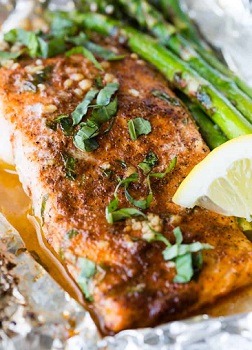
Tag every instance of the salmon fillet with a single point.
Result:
(133, 284)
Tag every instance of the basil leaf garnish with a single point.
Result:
(84, 139)
(43, 206)
(70, 166)
(81, 110)
(72, 233)
(182, 254)
(168, 169)
(164, 96)
(28, 39)
(137, 127)
(106, 93)
(102, 52)
(88, 270)
(5, 55)
(85, 52)
(148, 163)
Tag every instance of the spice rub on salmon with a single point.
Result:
(71, 173)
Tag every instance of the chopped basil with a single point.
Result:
(102, 52)
(84, 139)
(70, 166)
(72, 233)
(145, 203)
(107, 173)
(66, 124)
(105, 94)
(61, 24)
(142, 203)
(51, 124)
(5, 55)
(62, 253)
(137, 127)
(122, 163)
(98, 82)
(168, 169)
(82, 108)
(164, 96)
(43, 205)
(187, 257)
(78, 40)
(112, 214)
(88, 270)
(104, 113)
(85, 52)
(148, 163)
(52, 47)
(28, 39)
(42, 76)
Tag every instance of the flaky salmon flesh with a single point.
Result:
(132, 285)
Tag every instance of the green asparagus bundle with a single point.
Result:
(178, 72)
(150, 19)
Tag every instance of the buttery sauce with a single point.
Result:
(15, 206)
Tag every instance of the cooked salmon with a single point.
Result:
(132, 285)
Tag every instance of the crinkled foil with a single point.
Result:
(35, 313)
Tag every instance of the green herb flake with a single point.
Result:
(122, 163)
(107, 173)
(84, 139)
(168, 169)
(72, 233)
(98, 82)
(187, 257)
(112, 212)
(104, 96)
(66, 124)
(138, 127)
(82, 108)
(148, 163)
(78, 40)
(5, 55)
(27, 38)
(43, 206)
(43, 76)
(70, 166)
(86, 53)
(100, 51)
(51, 124)
(164, 96)
(62, 253)
(87, 271)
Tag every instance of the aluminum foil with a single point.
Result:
(35, 313)
(227, 24)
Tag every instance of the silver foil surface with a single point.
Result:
(35, 313)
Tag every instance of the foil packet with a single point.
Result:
(35, 313)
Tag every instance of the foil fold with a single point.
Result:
(35, 313)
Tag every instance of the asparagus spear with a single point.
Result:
(216, 106)
(149, 18)
(210, 132)
(171, 9)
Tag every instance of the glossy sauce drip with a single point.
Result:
(15, 206)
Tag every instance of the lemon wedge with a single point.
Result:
(222, 182)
